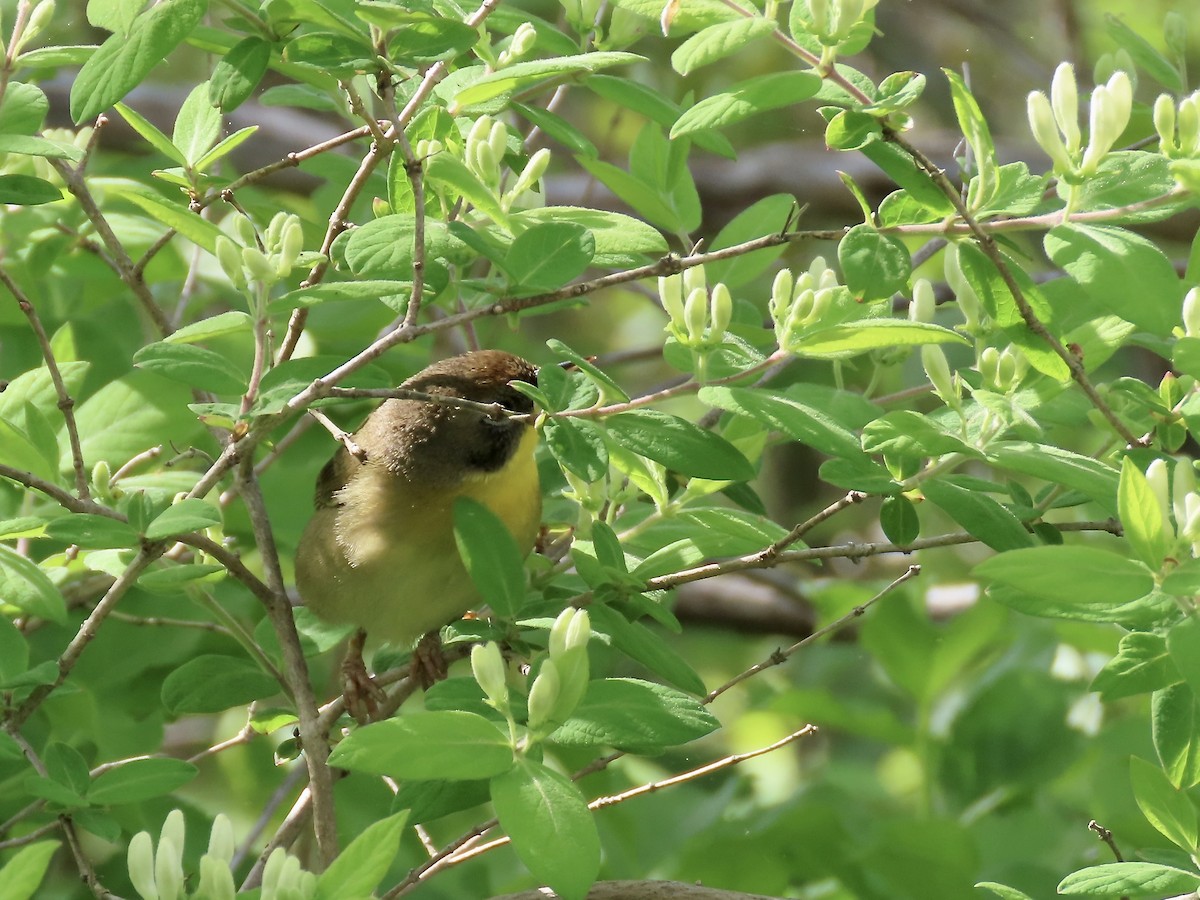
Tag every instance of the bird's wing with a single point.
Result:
(333, 477)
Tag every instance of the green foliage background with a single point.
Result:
(1019, 421)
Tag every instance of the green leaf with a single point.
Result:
(1183, 644)
(1164, 807)
(168, 578)
(23, 872)
(339, 54)
(197, 126)
(766, 216)
(92, 531)
(1132, 878)
(238, 73)
(221, 324)
(1175, 727)
(419, 36)
(383, 248)
(1058, 466)
(188, 364)
(26, 190)
(521, 74)
(199, 231)
(1004, 892)
(491, 556)
(752, 96)
(1069, 579)
(718, 41)
(123, 61)
(14, 652)
(548, 255)
(875, 265)
(1142, 665)
(1145, 56)
(644, 646)
(629, 714)
(1121, 271)
(445, 170)
(800, 421)
(550, 826)
(679, 445)
(224, 147)
(874, 334)
(579, 447)
(189, 514)
(24, 585)
(139, 780)
(212, 683)
(23, 109)
(979, 514)
(899, 520)
(1141, 515)
(979, 137)
(452, 745)
(359, 868)
(18, 449)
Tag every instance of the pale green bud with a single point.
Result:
(968, 301)
(695, 315)
(1191, 526)
(720, 311)
(937, 370)
(1183, 484)
(498, 141)
(1110, 109)
(41, 16)
(1164, 124)
(216, 881)
(480, 130)
(102, 475)
(694, 278)
(427, 147)
(572, 629)
(229, 256)
(819, 10)
(274, 230)
(1191, 313)
(923, 304)
(220, 841)
(543, 695)
(670, 292)
(1158, 475)
(168, 869)
(173, 828)
(524, 38)
(781, 294)
(1006, 370)
(243, 229)
(271, 872)
(821, 301)
(802, 308)
(291, 242)
(1045, 132)
(1064, 98)
(1189, 125)
(258, 265)
(531, 174)
(989, 366)
(571, 666)
(140, 860)
(484, 161)
(487, 664)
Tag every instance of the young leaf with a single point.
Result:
(522, 74)
(875, 265)
(1167, 809)
(752, 96)
(579, 447)
(212, 683)
(979, 137)
(27, 587)
(197, 366)
(550, 826)
(238, 73)
(491, 556)
(138, 780)
(798, 420)
(191, 514)
(197, 126)
(1142, 665)
(899, 520)
(1136, 878)
(679, 445)
(92, 531)
(1069, 576)
(717, 42)
(1175, 719)
(27, 190)
(979, 514)
(451, 745)
(359, 868)
(874, 334)
(24, 871)
(549, 255)
(124, 60)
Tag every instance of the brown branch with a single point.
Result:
(65, 403)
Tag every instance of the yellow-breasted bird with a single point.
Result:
(379, 551)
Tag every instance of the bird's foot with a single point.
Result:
(363, 696)
(428, 661)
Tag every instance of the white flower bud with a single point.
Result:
(720, 311)
(216, 881)
(487, 665)
(1064, 98)
(258, 265)
(988, 364)
(42, 15)
(1183, 485)
(243, 229)
(1157, 475)
(819, 11)
(1045, 132)
(1164, 124)
(923, 304)
(670, 292)
(1189, 125)
(937, 370)
(1191, 313)
(168, 868)
(221, 842)
(695, 315)
(498, 141)
(543, 695)
(694, 278)
(140, 860)
(968, 301)
(530, 175)
(1110, 109)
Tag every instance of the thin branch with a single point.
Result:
(641, 790)
(39, 832)
(284, 836)
(342, 437)
(65, 403)
(778, 657)
(767, 554)
(285, 788)
(135, 461)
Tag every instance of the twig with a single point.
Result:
(65, 403)
(267, 814)
(285, 835)
(135, 461)
(767, 554)
(778, 657)
(1107, 836)
(342, 437)
(641, 790)
(30, 837)
(244, 736)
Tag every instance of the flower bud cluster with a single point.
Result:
(1002, 370)
(243, 261)
(1174, 487)
(697, 316)
(157, 874)
(487, 142)
(1178, 127)
(799, 302)
(1054, 121)
(522, 42)
(563, 678)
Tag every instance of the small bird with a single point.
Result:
(379, 551)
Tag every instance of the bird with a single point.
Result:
(379, 551)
